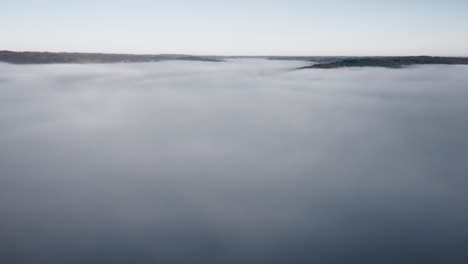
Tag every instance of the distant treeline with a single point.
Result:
(388, 62)
(65, 57)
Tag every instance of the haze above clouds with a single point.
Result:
(241, 27)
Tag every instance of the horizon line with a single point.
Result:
(219, 55)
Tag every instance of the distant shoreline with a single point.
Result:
(320, 62)
(388, 62)
(30, 57)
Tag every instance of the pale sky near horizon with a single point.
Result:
(242, 27)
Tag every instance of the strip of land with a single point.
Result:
(388, 62)
(66, 57)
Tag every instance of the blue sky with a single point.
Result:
(295, 27)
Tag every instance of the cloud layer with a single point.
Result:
(235, 162)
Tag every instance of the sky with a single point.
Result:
(241, 27)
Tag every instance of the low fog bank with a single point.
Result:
(237, 162)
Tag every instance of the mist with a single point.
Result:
(244, 161)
